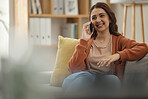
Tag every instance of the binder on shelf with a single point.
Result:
(30, 10)
(45, 31)
(69, 30)
(75, 30)
(38, 6)
(31, 33)
(33, 7)
(55, 6)
(40, 31)
(61, 7)
(35, 31)
(48, 31)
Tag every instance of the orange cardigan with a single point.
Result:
(129, 50)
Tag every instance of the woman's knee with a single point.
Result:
(114, 80)
(78, 79)
(82, 74)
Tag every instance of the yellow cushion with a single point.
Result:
(66, 47)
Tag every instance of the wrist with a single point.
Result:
(118, 55)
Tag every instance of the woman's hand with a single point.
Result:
(108, 60)
(85, 31)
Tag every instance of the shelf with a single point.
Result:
(59, 16)
(47, 7)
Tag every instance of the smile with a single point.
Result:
(99, 25)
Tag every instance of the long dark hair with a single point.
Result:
(113, 28)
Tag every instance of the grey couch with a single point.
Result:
(136, 71)
(31, 76)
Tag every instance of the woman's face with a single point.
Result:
(100, 19)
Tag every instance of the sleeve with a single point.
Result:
(77, 61)
(131, 50)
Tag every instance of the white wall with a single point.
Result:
(119, 10)
(4, 27)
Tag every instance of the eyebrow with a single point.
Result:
(98, 14)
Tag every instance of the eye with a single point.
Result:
(102, 15)
(94, 17)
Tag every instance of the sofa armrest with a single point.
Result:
(136, 72)
(44, 77)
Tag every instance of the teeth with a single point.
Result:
(99, 25)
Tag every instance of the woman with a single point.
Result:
(100, 56)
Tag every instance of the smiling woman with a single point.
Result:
(98, 62)
(102, 19)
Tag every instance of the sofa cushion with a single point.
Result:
(136, 72)
(66, 47)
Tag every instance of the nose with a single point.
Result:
(98, 19)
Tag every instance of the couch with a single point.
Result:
(38, 74)
(135, 77)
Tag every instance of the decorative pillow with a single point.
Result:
(66, 47)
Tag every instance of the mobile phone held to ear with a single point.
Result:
(91, 28)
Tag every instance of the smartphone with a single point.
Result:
(91, 28)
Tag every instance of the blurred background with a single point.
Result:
(29, 27)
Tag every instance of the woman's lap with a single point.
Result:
(85, 80)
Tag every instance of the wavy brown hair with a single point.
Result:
(113, 28)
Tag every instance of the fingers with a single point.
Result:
(85, 31)
(104, 62)
(108, 60)
(100, 63)
(86, 25)
(108, 63)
